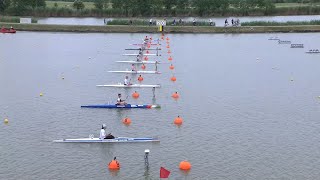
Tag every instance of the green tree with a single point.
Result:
(4, 4)
(98, 4)
(78, 5)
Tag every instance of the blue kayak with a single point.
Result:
(113, 106)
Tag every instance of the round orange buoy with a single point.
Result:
(146, 58)
(178, 120)
(162, 37)
(167, 38)
(173, 78)
(114, 164)
(171, 67)
(140, 78)
(169, 51)
(185, 165)
(175, 95)
(147, 52)
(143, 67)
(168, 46)
(149, 46)
(135, 95)
(126, 121)
(170, 58)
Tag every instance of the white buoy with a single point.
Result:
(6, 121)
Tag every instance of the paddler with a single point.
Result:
(120, 101)
(126, 81)
(156, 65)
(154, 92)
(103, 132)
(133, 67)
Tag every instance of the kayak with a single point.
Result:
(128, 106)
(313, 51)
(137, 72)
(115, 140)
(140, 62)
(130, 86)
(139, 54)
(3, 30)
(277, 39)
(145, 44)
(146, 49)
(284, 42)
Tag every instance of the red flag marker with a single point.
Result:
(164, 173)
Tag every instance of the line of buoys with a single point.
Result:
(114, 164)
(126, 121)
(135, 95)
(185, 165)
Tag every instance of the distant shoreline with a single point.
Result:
(154, 29)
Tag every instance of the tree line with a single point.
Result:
(136, 8)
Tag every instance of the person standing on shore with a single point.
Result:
(226, 22)
(194, 22)
(150, 22)
(210, 22)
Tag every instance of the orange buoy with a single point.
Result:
(150, 38)
(171, 67)
(175, 95)
(126, 121)
(143, 67)
(173, 78)
(147, 52)
(135, 95)
(185, 165)
(170, 58)
(168, 46)
(149, 46)
(114, 164)
(162, 37)
(167, 38)
(169, 51)
(140, 78)
(178, 120)
(146, 58)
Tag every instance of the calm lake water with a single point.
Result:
(218, 20)
(243, 118)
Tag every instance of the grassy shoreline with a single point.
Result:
(154, 29)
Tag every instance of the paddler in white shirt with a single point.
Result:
(103, 132)
(126, 81)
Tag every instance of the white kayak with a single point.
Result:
(142, 54)
(137, 72)
(115, 140)
(131, 86)
(140, 62)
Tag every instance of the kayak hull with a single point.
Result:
(115, 140)
(128, 106)
(8, 31)
(137, 72)
(130, 86)
(142, 54)
(140, 62)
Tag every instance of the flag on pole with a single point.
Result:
(164, 173)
